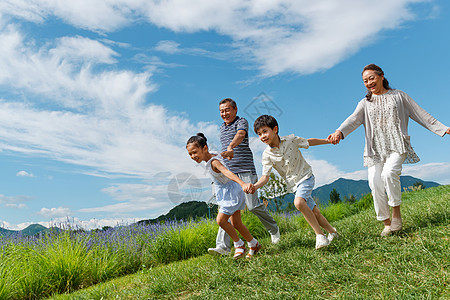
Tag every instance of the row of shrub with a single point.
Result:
(64, 261)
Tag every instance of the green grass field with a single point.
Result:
(413, 264)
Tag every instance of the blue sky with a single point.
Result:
(97, 99)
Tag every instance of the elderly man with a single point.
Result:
(235, 147)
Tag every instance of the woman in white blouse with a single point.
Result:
(385, 112)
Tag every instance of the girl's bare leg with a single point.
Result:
(237, 223)
(222, 221)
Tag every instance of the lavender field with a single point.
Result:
(33, 267)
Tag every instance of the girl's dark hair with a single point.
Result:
(264, 120)
(199, 140)
(379, 72)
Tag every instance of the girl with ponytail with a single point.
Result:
(229, 189)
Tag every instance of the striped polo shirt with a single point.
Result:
(242, 160)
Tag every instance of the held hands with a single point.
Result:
(229, 154)
(448, 131)
(248, 188)
(335, 137)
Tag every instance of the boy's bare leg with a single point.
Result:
(222, 220)
(322, 220)
(237, 223)
(301, 205)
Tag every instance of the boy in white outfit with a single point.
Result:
(283, 154)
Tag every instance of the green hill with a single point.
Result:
(33, 229)
(30, 230)
(186, 211)
(361, 264)
(6, 232)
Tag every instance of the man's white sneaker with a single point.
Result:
(321, 241)
(218, 251)
(386, 231)
(333, 235)
(275, 237)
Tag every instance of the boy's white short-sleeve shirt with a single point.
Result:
(288, 161)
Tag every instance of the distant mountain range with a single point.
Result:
(198, 209)
(348, 187)
(30, 230)
(345, 188)
(358, 188)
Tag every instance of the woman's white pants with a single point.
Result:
(384, 181)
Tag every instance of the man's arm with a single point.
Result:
(315, 142)
(238, 138)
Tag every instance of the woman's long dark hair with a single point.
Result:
(379, 72)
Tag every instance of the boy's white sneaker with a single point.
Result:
(218, 251)
(275, 237)
(333, 235)
(321, 241)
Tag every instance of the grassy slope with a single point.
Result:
(414, 264)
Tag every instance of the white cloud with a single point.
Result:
(14, 201)
(7, 225)
(170, 47)
(438, 172)
(82, 49)
(153, 63)
(111, 222)
(86, 14)
(158, 195)
(24, 174)
(131, 198)
(16, 205)
(64, 74)
(285, 36)
(278, 36)
(55, 212)
(102, 120)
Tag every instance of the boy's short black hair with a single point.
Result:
(265, 120)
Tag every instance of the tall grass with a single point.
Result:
(361, 264)
(37, 267)
(61, 262)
